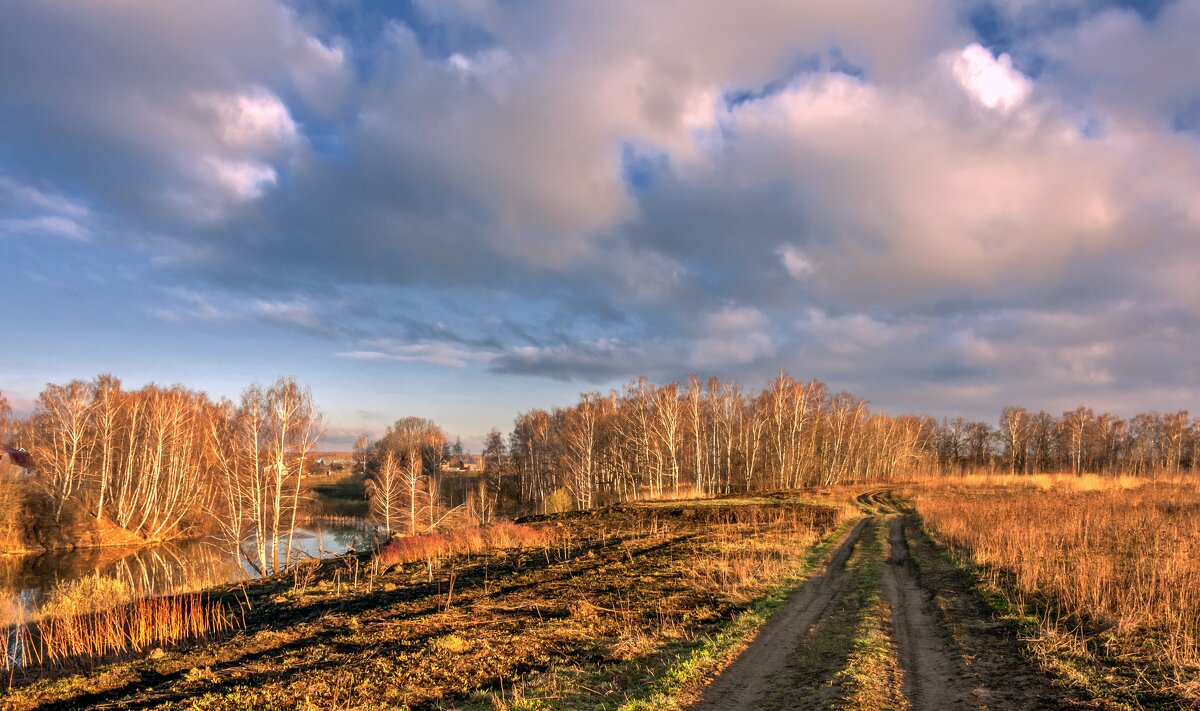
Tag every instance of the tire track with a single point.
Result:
(765, 662)
(934, 677)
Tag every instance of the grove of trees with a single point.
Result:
(714, 437)
(159, 463)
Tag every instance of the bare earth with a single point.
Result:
(934, 677)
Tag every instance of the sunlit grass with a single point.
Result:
(97, 617)
(1121, 553)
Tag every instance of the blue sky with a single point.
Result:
(466, 209)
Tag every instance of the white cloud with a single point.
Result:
(255, 121)
(41, 199)
(293, 313)
(730, 336)
(991, 80)
(54, 225)
(441, 353)
(795, 262)
(241, 180)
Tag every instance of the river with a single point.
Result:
(26, 581)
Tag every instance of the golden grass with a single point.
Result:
(1072, 482)
(96, 617)
(757, 551)
(1122, 553)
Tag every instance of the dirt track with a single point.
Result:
(752, 677)
(933, 670)
(978, 668)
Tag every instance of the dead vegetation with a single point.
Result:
(1108, 570)
(96, 618)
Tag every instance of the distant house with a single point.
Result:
(17, 457)
(464, 463)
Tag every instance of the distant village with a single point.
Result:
(341, 463)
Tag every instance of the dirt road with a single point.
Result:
(751, 678)
(934, 677)
(804, 657)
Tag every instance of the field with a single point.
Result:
(564, 610)
(972, 592)
(1104, 572)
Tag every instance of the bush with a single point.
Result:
(560, 501)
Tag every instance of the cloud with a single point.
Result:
(40, 199)
(55, 225)
(796, 263)
(451, 355)
(214, 307)
(293, 313)
(596, 361)
(41, 212)
(203, 119)
(878, 195)
(991, 80)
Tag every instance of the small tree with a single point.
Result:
(362, 447)
(386, 493)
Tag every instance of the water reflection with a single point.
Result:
(26, 581)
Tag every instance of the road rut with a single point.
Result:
(934, 677)
(766, 661)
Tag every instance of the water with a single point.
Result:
(26, 581)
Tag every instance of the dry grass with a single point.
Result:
(1071, 482)
(1116, 562)
(567, 611)
(96, 617)
(469, 541)
(756, 552)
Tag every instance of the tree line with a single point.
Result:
(165, 462)
(714, 437)
(1078, 441)
(159, 463)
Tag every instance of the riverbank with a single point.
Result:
(570, 607)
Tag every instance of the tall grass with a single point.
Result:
(95, 618)
(1122, 554)
(755, 547)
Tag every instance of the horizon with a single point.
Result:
(463, 211)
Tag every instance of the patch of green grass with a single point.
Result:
(696, 661)
(871, 678)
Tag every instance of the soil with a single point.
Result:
(592, 619)
(934, 676)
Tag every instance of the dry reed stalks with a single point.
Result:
(78, 625)
(431, 547)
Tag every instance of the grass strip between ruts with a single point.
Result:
(669, 686)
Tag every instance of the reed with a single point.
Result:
(125, 628)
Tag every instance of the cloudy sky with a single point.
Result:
(465, 208)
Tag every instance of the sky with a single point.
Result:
(464, 209)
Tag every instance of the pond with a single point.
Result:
(26, 581)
